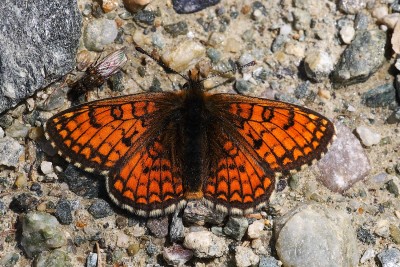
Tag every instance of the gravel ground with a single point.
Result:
(335, 57)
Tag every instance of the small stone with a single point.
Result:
(177, 255)
(122, 240)
(285, 29)
(390, 20)
(17, 130)
(365, 236)
(242, 86)
(91, 260)
(55, 100)
(381, 96)
(389, 257)
(395, 233)
(10, 152)
(269, 262)
(361, 58)
(368, 254)
(302, 19)
(393, 186)
(255, 229)
(245, 257)
(1, 133)
(318, 65)
(63, 212)
(316, 231)
(352, 6)
(233, 45)
(158, 226)
(100, 209)
(40, 232)
(368, 137)
(133, 248)
(23, 202)
(205, 244)
(213, 54)
(395, 41)
(347, 34)
(135, 5)
(176, 230)
(196, 213)
(179, 28)
(9, 259)
(109, 5)
(46, 167)
(382, 228)
(146, 17)
(99, 33)
(21, 181)
(345, 163)
(191, 6)
(236, 227)
(53, 258)
(182, 56)
(80, 182)
(361, 21)
(380, 12)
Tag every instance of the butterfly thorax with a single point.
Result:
(193, 133)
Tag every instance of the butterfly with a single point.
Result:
(160, 150)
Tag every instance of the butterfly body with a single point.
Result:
(159, 150)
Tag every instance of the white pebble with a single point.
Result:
(285, 29)
(1, 132)
(255, 229)
(46, 167)
(367, 136)
(380, 12)
(347, 34)
(184, 55)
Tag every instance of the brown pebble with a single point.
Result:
(245, 9)
(135, 5)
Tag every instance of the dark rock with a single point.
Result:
(116, 83)
(361, 58)
(191, 6)
(242, 86)
(155, 85)
(144, 16)
(38, 42)
(100, 209)
(158, 226)
(179, 28)
(380, 96)
(63, 211)
(81, 183)
(394, 117)
(365, 236)
(236, 227)
(361, 21)
(196, 212)
(176, 229)
(23, 203)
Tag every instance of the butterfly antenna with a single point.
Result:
(162, 64)
(234, 69)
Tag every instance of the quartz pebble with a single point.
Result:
(347, 34)
(245, 257)
(46, 167)
(99, 33)
(205, 244)
(184, 55)
(368, 254)
(318, 65)
(367, 136)
(255, 229)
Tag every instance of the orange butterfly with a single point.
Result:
(159, 150)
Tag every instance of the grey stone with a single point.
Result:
(196, 212)
(38, 41)
(176, 230)
(325, 237)
(361, 21)
(236, 227)
(179, 28)
(10, 152)
(394, 117)
(80, 182)
(40, 232)
(242, 86)
(100, 209)
(361, 58)
(345, 163)
(63, 211)
(352, 6)
(99, 33)
(91, 260)
(23, 202)
(365, 236)
(9, 260)
(390, 257)
(177, 255)
(381, 96)
(158, 226)
(56, 258)
(266, 261)
(191, 6)
(17, 130)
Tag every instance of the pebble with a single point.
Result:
(135, 5)
(302, 19)
(55, 257)
(245, 257)
(347, 34)
(236, 227)
(185, 54)
(21, 181)
(352, 6)
(23, 202)
(191, 6)
(389, 257)
(109, 5)
(41, 232)
(361, 21)
(99, 33)
(80, 182)
(382, 228)
(176, 230)
(317, 232)
(158, 226)
(1, 133)
(393, 186)
(46, 167)
(367, 136)
(395, 233)
(177, 255)
(365, 236)
(255, 229)
(91, 260)
(368, 254)
(381, 96)
(133, 248)
(242, 86)
(395, 40)
(379, 12)
(17, 130)
(267, 261)
(143, 16)
(197, 213)
(64, 212)
(390, 20)
(100, 209)
(318, 65)
(345, 163)
(122, 240)
(361, 58)
(205, 244)
(179, 28)
(9, 260)
(213, 54)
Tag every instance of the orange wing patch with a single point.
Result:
(147, 182)
(283, 135)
